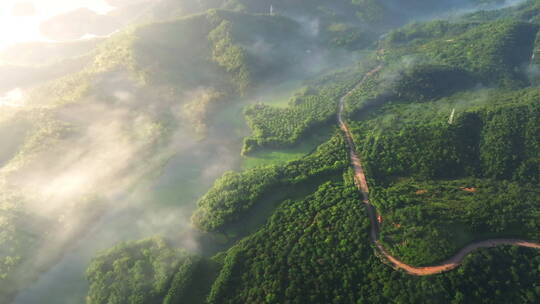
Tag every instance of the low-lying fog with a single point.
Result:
(159, 200)
(20, 20)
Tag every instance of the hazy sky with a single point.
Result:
(21, 29)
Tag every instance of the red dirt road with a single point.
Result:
(361, 183)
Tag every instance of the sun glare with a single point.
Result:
(20, 19)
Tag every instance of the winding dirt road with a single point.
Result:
(361, 183)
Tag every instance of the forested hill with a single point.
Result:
(378, 15)
(442, 99)
(129, 97)
(447, 124)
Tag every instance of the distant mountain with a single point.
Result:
(76, 24)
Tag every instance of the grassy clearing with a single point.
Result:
(281, 94)
(270, 156)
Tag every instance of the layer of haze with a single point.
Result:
(25, 27)
(143, 194)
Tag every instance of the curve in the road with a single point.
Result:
(361, 183)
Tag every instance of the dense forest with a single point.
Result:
(148, 271)
(495, 135)
(444, 216)
(442, 99)
(317, 250)
(310, 108)
(235, 193)
(449, 160)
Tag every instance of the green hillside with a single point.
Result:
(117, 104)
(235, 193)
(439, 180)
(153, 270)
(444, 111)
(493, 134)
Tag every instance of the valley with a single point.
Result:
(223, 152)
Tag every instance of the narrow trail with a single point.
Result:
(361, 183)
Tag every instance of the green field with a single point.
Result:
(268, 156)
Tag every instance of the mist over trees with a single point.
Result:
(148, 130)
